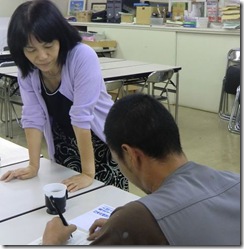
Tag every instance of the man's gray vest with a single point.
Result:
(198, 205)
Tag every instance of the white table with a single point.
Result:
(108, 60)
(127, 70)
(11, 153)
(26, 228)
(20, 196)
(4, 53)
(119, 64)
(9, 71)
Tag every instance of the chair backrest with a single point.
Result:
(232, 79)
(160, 76)
(233, 57)
(115, 85)
(7, 64)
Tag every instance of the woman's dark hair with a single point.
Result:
(142, 122)
(43, 20)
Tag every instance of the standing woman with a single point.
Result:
(64, 96)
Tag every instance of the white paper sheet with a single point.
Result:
(85, 220)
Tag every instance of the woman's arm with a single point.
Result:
(84, 143)
(34, 139)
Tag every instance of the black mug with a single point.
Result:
(59, 193)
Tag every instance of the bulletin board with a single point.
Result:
(76, 6)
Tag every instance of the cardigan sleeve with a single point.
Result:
(33, 115)
(82, 78)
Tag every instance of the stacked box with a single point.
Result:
(144, 14)
(178, 11)
(84, 16)
(127, 18)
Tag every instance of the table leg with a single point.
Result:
(5, 85)
(10, 110)
(177, 97)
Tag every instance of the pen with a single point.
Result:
(52, 200)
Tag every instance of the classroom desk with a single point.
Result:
(26, 228)
(126, 70)
(11, 153)
(108, 60)
(9, 71)
(21, 196)
(6, 56)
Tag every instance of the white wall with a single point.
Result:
(3, 31)
(8, 6)
(202, 54)
(62, 5)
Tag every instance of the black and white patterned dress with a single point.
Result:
(66, 149)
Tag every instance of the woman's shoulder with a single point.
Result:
(32, 76)
(82, 49)
(81, 56)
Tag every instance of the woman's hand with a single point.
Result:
(77, 182)
(94, 230)
(21, 173)
(56, 233)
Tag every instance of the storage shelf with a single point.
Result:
(189, 2)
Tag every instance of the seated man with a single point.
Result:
(187, 203)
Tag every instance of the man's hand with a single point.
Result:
(77, 182)
(56, 233)
(94, 230)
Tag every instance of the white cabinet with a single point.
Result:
(200, 52)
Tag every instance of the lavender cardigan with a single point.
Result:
(82, 83)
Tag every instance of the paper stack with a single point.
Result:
(231, 16)
(170, 23)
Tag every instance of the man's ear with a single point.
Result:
(127, 151)
(134, 155)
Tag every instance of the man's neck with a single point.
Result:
(161, 170)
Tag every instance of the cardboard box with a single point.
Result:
(178, 10)
(84, 16)
(144, 14)
(101, 44)
(127, 18)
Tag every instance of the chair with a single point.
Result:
(7, 64)
(115, 88)
(3, 94)
(14, 98)
(234, 124)
(9, 96)
(160, 81)
(230, 82)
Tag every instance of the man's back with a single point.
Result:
(198, 206)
